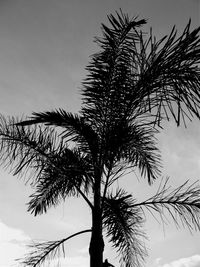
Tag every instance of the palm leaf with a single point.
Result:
(39, 151)
(136, 145)
(135, 76)
(61, 178)
(23, 149)
(169, 76)
(143, 152)
(44, 251)
(76, 128)
(109, 75)
(181, 204)
(123, 226)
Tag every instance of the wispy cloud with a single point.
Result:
(12, 245)
(193, 261)
(71, 261)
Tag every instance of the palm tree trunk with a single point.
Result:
(96, 244)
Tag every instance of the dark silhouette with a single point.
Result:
(134, 84)
(107, 264)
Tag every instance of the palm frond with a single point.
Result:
(123, 226)
(169, 76)
(24, 149)
(140, 150)
(136, 75)
(76, 128)
(67, 174)
(128, 145)
(105, 91)
(50, 163)
(181, 204)
(45, 251)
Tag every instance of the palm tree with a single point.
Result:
(134, 84)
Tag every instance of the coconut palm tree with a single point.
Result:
(134, 84)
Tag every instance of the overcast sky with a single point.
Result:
(44, 48)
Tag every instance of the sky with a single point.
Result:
(44, 48)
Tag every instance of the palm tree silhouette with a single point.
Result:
(134, 84)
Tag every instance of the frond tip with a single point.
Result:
(22, 149)
(181, 204)
(45, 251)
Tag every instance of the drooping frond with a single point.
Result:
(44, 251)
(76, 128)
(168, 76)
(54, 168)
(24, 149)
(68, 174)
(123, 226)
(142, 151)
(136, 145)
(181, 204)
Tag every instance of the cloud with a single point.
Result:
(193, 261)
(70, 261)
(12, 245)
(84, 250)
